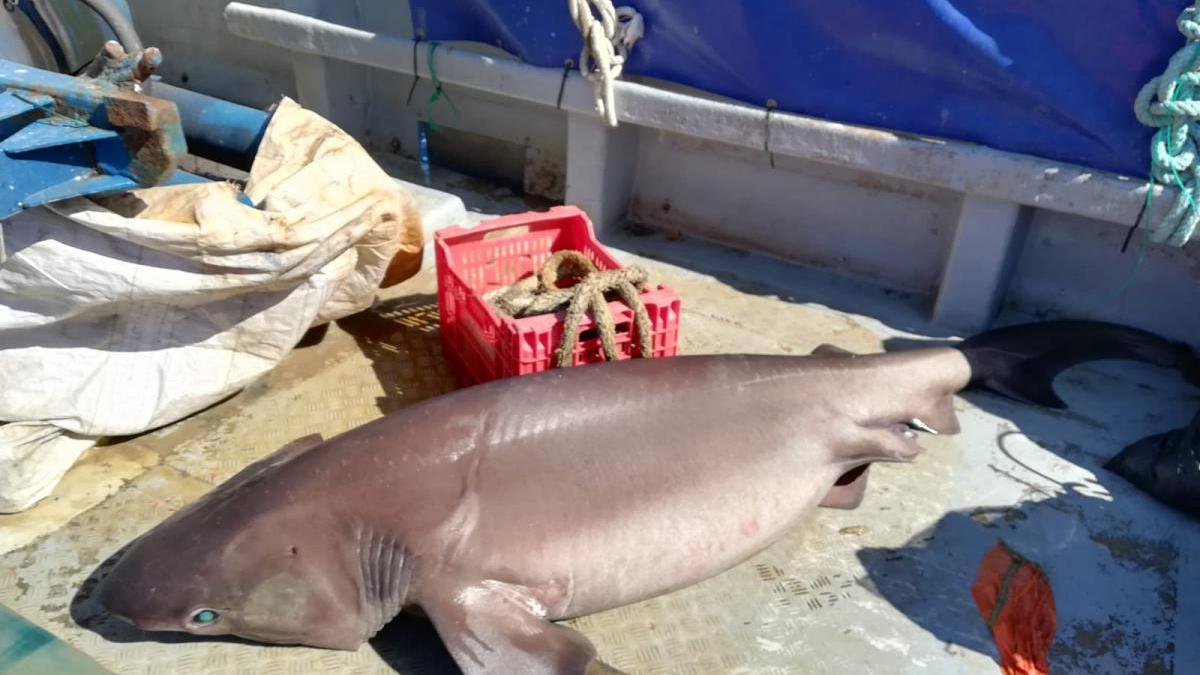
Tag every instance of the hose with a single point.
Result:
(120, 24)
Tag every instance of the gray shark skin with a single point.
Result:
(1166, 466)
(498, 509)
(1020, 362)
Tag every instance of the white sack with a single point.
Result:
(33, 458)
(123, 317)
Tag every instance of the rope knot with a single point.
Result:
(607, 41)
(541, 294)
(1188, 23)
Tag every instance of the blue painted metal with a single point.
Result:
(46, 133)
(215, 129)
(12, 105)
(81, 185)
(63, 136)
(99, 184)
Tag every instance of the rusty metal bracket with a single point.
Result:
(63, 136)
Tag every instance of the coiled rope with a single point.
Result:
(540, 294)
(1171, 102)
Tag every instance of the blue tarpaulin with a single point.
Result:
(1052, 78)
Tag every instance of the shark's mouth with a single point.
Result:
(852, 475)
(849, 490)
(850, 487)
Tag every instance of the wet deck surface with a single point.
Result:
(882, 589)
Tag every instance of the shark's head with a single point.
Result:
(886, 440)
(891, 399)
(241, 562)
(885, 417)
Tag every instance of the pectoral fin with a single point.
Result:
(493, 629)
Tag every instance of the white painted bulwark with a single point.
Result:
(872, 204)
(987, 241)
(960, 166)
(600, 167)
(887, 231)
(312, 83)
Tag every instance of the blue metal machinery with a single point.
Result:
(63, 136)
(218, 130)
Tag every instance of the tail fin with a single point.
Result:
(1021, 362)
(1028, 380)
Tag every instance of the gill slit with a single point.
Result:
(384, 585)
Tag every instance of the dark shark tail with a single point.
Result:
(1021, 362)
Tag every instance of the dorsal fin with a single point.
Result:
(251, 474)
(258, 470)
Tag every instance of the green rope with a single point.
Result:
(439, 93)
(1171, 102)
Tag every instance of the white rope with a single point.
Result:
(606, 44)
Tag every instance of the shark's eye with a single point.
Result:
(205, 616)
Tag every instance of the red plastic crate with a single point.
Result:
(482, 345)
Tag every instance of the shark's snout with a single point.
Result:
(129, 616)
(122, 598)
(110, 599)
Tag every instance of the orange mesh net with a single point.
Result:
(1014, 598)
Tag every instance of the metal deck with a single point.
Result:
(882, 589)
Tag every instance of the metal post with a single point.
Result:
(987, 244)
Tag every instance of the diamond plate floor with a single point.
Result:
(883, 589)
